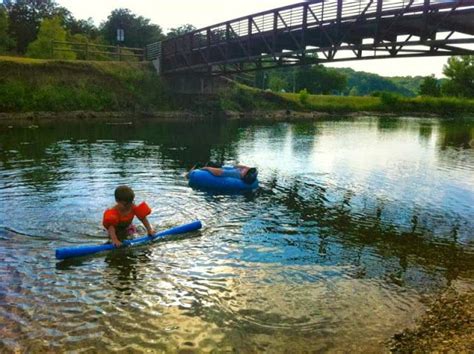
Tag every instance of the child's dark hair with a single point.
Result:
(124, 194)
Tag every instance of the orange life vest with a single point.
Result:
(112, 217)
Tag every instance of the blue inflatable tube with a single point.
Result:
(206, 180)
(78, 251)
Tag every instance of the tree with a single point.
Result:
(25, 18)
(82, 27)
(460, 74)
(138, 30)
(276, 84)
(353, 91)
(6, 42)
(430, 87)
(319, 80)
(42, 47)
(178, 31)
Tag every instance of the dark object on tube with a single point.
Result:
(78, 251)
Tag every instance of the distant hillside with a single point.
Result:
(360, 83)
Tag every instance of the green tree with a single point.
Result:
(430, 87)
(25, 18)
(6, 42)
(460, 74)
(276, 83)
(317, 79)
(50, 30)
(138, 30)
(178, 31)
(353, 91)
(303, 96)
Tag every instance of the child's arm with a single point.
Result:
(148, 227)
(113, 236)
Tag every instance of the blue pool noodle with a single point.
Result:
(78, 251)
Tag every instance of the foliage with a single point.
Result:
(82, 27)
(38, 85)
(25, 19)
(460, 74)
(406, 85)
(276, 84)
(178, 31)
(50, 30)
(91, 52)
(430, 87)
(318, 79)
(303, 96)
(138, 30)
(389, 99)
(6, 42)
(366, 83)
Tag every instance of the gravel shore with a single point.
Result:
(448, 326)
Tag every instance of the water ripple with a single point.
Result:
(354, 222)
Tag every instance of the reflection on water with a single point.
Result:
(355, 222)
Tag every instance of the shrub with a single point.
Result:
(303, 96)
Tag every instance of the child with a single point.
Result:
(118, 219)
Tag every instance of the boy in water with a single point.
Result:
(118, 219)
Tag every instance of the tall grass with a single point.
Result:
(386, 102)
(43, 85)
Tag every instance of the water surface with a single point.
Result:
(355, 223)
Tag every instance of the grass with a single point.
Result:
(246, 99)
(51, 85)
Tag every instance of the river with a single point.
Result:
(355, 224)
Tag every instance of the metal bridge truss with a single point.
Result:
(323, 31)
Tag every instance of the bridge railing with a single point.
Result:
(304, 15)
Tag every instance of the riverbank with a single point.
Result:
(33, 119)
(447, 326)
(32, 89)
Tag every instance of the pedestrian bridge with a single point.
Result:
(321, 31)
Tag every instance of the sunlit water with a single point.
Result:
(355, 223)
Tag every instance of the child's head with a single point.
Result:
(124, 194)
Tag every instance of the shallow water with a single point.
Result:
(355, 223)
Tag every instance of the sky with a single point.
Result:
(202, 13)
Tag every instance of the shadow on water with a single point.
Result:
(341, 225)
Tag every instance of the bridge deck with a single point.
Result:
(324, 31)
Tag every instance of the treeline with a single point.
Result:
(318, 79)
(28, 27)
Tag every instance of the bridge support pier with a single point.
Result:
(195, 83)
